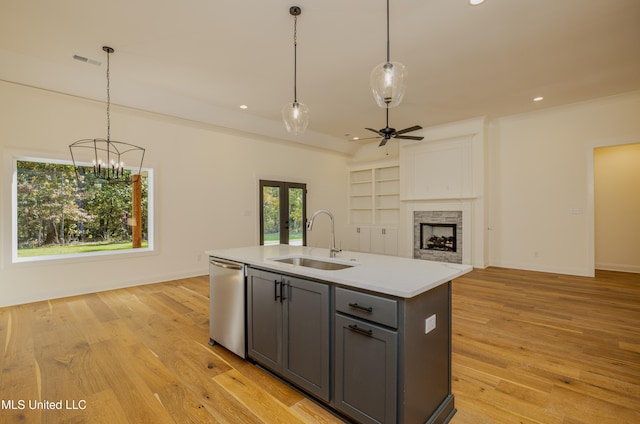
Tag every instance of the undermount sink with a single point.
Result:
(314, 263)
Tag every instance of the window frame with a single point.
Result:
(284, 187)
(14, 259)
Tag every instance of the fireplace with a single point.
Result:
(436, 236)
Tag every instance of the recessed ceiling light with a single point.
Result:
(356, 138)
(475, 2)
(538, 99)
(244, 107)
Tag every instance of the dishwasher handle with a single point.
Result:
(227, 265)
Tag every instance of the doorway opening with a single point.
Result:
(616, 208)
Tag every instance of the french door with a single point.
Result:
(283, 213)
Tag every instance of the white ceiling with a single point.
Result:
(202, 59)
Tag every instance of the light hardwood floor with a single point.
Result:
(543, 348)
(527, 348)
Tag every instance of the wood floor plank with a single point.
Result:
(133, 392)
(311, 412)
(256, 400)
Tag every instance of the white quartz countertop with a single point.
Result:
(391, 275)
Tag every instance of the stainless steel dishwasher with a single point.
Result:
(227, 305)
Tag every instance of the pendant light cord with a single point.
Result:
(388, 43)
(108, 100)
(295, 59)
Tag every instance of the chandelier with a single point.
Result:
(107, 160)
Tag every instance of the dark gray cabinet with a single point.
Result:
(365, 370)
(389, 368)
(384, 359)
(366, 356)
(288, 328)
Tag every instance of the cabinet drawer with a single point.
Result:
(367, 306)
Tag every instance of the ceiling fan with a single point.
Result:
(388, 133)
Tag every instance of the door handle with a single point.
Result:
(277, 295)
(226, 265)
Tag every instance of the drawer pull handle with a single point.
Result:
(357, 329)
(362, 308)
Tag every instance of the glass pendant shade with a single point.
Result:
(388, 83)
(295, 117)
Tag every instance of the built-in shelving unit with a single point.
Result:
(361, 192)
(387, 195)
(374, 207)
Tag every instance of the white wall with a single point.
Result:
(206, 192)
(540, 168)
(539, 197)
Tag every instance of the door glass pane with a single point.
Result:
(296, 216)
(271, 214)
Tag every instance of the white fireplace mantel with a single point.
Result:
(446, 172)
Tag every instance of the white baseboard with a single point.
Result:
(619, 267)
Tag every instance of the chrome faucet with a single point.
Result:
(333, 250)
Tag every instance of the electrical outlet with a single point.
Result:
(429, 324)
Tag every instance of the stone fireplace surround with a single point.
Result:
(463, 207)
(438, 217)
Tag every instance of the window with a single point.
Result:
(54, 215)
(283, 213)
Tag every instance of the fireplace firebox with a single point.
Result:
(436, 236)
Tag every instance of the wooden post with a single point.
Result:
(136, 212)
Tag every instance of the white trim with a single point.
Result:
(591, 205)
(543, 268)
(617, 267)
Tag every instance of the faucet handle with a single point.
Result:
(334, 251)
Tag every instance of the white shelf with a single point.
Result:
(374, 197)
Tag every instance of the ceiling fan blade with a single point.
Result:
(375, 131)
(406, 130)
(409, 137)
(383, 142)
(366, 138)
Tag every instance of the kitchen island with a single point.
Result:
(367, 335)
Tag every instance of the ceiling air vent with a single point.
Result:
(87, 60)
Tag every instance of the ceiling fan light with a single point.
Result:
(389, 83)
(295, 116)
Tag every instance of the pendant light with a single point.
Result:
(295, 115)
(388, 79)
(107, 160)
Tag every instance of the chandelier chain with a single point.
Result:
(108, 101)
